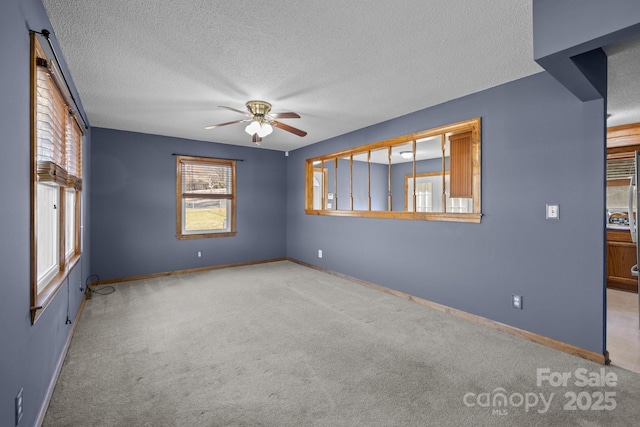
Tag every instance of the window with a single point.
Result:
(430, 193)
(47, 221)
(56, 170)
(319, 188)
(69, 222)
(206, 197)
(428, 175)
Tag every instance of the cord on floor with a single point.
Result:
(105, 290)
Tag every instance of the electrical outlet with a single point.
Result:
(319, 253)
(18, 406)
(516, 301)
(199, 254)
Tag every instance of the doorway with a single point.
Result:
(623, 123)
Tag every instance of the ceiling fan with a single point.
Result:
(261, 120)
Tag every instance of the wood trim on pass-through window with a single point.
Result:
(464, 139)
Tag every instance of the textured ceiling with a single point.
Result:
(164, 66)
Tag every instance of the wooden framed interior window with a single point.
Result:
(205, 197)
(428, 175)
(56, 180)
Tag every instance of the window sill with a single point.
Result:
(425, 216)
(205, 236)
(49, 292)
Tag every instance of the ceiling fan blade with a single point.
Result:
(256, 139)
(287, 115)
(227, 123)
(245, 113)
(288, 128)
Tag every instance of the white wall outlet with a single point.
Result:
(553, 211)
(199, 254)
(516, 301)
(319, 253)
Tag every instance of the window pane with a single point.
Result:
(319, 190)
(47, 233)
(424, 197)
(69, 223)
(428, 192)
(206, 215)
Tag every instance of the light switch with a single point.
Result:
(553, 211)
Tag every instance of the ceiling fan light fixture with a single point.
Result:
(252, 128)
(264, 130)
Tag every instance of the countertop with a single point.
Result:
(617, 227)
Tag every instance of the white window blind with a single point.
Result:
(620, 168)
(203, 179)
(59, 136)
(73, 152)
(51, 129)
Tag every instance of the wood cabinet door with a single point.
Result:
(621, 256)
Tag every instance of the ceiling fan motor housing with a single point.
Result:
(259, 109)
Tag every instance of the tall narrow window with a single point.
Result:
(69, 222)
(47, 220)
(206, 197)
(56, 171)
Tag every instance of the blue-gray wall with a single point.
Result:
(29, 353)
(540, 145)
(133, 201)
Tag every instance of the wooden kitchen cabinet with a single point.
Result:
(621, 256)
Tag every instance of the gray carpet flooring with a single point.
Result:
(280, 344)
